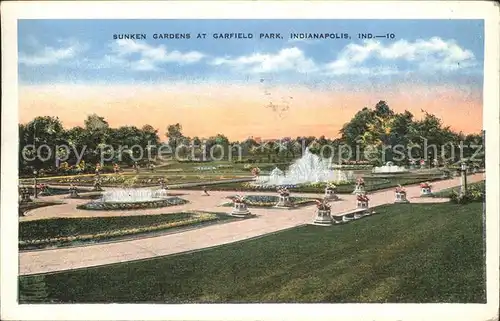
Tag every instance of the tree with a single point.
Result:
(174, 135)
(352, 131)
(382, 110)
(41, 131)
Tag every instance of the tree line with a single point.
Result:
(370, 128)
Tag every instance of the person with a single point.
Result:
(205, 192)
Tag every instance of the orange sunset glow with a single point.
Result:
(239, 111)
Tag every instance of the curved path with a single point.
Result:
(266, 221)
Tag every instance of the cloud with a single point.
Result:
(68, 50)
(285, 60)
(150, 56)
(430, 55)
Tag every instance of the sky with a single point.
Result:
(257, 86)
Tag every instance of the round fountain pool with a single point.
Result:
(132, 199)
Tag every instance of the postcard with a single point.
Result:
(250, 160)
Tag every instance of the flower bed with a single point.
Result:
(269, 200)
(67, 231)
(120, 206)
(54, 191)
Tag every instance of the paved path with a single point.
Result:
(266, 221)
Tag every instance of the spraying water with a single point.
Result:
(308, 169)
(131, 195)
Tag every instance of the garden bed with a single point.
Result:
(123, 206)
(140, 180)
(271, 201)
(55, 191)
(371, 184)
(63, 232)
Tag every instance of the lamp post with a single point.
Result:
(463, 178)
(35, 181)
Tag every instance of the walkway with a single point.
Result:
(266, 221)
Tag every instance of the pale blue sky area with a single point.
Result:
(84, 51)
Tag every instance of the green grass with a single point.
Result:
(414, 253)
(49, 229)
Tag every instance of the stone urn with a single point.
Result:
(425, 189)
(359, 189)
(330, 194)
(284, 200)
(323, 217)
(362, 202)
(240, 209)
(401, 197)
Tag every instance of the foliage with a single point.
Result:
(121, 206)
(475, 193)
(369, 129)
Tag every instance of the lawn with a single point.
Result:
(425, 253)
(71, 231)
(271, 201)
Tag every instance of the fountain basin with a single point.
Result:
(100, 205)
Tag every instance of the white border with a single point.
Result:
(11, 11)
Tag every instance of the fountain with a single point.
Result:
(308, 169)
(132, 198)
(240, 208)
(389, 168)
